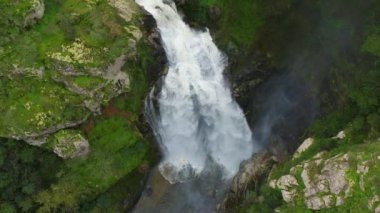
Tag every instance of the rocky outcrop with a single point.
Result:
(304, 146)
(286, 184)
(340, 135)
(35, 13)
(70, 144)
(74, 74)
(326, 181)
(126, 8)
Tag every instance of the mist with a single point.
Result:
(307, 54)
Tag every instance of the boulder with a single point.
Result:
(324, 181)
(318, 203)
(340, 135)
(249, 174)
(304, 146)
(35, 13)
(70, 144)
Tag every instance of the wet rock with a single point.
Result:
(249, 174)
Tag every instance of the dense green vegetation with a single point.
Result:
(236, 25)
(40, 64)
(352, 104)
(116, 149)
(25, 171)
(49, 71)
(96, 24)
(85, 178)
(231, 28)
(334, 46)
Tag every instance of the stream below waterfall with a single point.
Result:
(202, 132)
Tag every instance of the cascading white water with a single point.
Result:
(198, 121)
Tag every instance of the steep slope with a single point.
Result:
(73, 77)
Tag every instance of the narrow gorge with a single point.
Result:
(171, 106)
(201, 130)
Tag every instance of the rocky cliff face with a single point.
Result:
(328, 180)
(69, 59)
(73, 77)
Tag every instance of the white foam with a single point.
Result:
(198, 118)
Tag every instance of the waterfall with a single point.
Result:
(197, 122)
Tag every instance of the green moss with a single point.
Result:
(12, 15)
(116, 150)
(72, 35)
(31, 105)
(98, 26)
(87, 82)
(134, 99)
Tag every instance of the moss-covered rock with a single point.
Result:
(343, 181)
(70, 144)
(58, 71)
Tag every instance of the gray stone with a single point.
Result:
(304, 146)
(250, 172)
(286, 182)
(315, 203)
(340, 135)
(35, 13)
(372, 201)
(339, 201)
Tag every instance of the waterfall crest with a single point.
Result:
(197, 122)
